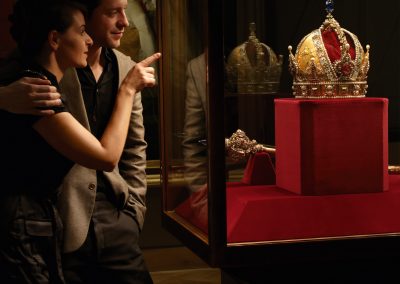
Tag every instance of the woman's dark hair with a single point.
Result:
(32, 20)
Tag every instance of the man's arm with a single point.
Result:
(132, 165)
(29, 96)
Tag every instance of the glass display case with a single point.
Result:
(224, 64)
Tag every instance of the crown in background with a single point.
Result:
(329, 63)
(253, 67)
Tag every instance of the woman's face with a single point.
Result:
(74, 44)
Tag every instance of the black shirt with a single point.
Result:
(28, 163)
(99, 98)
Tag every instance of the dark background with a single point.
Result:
(285, 22)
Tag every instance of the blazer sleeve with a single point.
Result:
(132, 165)
(193, 144)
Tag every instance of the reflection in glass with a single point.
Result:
(139, 42)
(194, 146)
(253, 67)
(185, 103)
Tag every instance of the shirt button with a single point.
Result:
(92, 186)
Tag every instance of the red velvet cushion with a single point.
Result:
(195, 209)
(259, 170)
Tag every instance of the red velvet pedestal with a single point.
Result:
(268, 213)
(331, 146)
(331, 174)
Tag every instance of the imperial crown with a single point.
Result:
(253, 67)
(329, 63)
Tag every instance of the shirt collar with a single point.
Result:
(108, 57)
(107, 54)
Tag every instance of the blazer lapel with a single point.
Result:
(72, 95)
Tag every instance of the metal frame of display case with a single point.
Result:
(214, 248)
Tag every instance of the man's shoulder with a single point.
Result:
(124, 62)
(122, 57)
(199, 60)
(197, 66)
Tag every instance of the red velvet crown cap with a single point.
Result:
(332, 45)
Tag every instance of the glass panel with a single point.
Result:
(253, 72)
(256, 33)
(252, 30)
(139, 42)
(185, 106)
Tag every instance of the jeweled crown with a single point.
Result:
(329, 63)
(253, 67)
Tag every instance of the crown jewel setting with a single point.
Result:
(329, 63)
(253, 67)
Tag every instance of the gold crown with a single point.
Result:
(253, 67)
(329, 63)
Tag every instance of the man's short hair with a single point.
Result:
(90, 5)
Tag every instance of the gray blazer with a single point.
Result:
(128, 180)
(195, 124)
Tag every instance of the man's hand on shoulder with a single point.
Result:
(29, 96)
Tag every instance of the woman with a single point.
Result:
(37, 152)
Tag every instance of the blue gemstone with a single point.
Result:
(329, 6)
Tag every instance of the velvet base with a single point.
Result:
(269, 213)
(331, 175)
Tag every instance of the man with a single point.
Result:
(102, 212)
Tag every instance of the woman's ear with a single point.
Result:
(54, 39)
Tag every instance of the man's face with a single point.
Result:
(107, 23)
